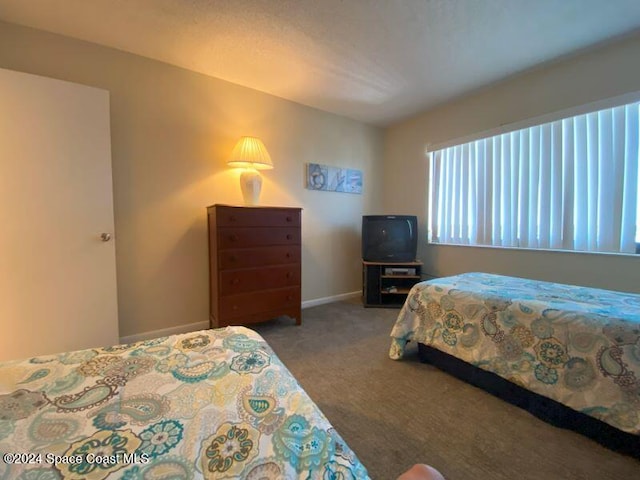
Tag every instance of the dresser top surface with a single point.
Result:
(252, 207)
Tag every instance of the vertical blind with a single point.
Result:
(571, 184)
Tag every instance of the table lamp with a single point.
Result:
(251, 155)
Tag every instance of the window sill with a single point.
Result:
(538, 250)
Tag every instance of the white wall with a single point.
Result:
(601, 73)
(172, 131)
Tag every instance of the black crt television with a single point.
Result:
(389, 238)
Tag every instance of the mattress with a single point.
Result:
(575, 345)
(209, 404)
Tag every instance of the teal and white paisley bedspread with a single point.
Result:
(579, 346)
(210, 404)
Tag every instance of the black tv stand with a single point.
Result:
(386, 284)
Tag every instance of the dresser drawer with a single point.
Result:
(255, 237)
(257, 217)
(292, 312)
(257, 257)
(249, 303)
(249, 280)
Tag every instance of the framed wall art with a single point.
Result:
(333, 179)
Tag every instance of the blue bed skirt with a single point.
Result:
(542, 407)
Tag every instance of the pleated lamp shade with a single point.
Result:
(250, 154)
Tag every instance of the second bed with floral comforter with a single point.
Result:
(579, 346)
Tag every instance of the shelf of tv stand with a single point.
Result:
(375, 283)
(394, 264)
(399, 276)
(399, 291)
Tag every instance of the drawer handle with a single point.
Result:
(289, 297)
(289, 218)
(233, 238)
(288, 255)
(233, 258)
(288, 275)
(235, 307)
(235, 281)
(232, 218)
(289, 236)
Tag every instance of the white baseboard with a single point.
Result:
(163, 332)
(331, 299)
(193, 327)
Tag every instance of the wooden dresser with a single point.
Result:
(254, 264)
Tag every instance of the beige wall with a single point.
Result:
(608, 71)
(171, 133)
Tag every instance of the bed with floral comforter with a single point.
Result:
(575, 345)
(210, 404)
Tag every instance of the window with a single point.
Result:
(570, 184)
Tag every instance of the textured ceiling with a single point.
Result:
(372, 60)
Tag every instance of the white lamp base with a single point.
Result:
(250, 184)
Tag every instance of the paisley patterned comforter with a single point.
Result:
(578, 346)
(210, 404)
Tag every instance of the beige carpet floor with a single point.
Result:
(397, 413)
